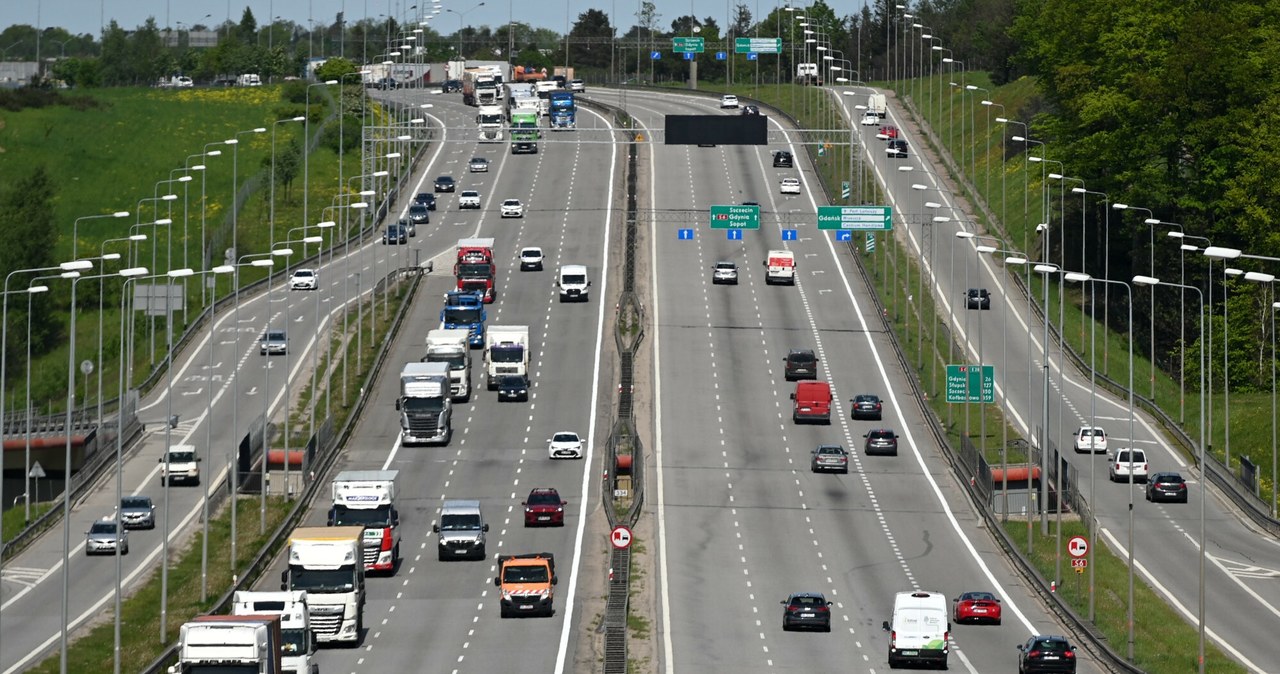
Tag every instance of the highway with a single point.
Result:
(742, 521)
(436, 616)
(1241, 563)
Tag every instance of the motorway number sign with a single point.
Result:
(620, 537)
(1080, 564)
(735, 217)
(861, 218)
(1078, 546)
(757, 45)
(688, 45)
(964, 385)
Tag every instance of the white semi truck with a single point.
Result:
(451, 346)
(229, 643)
(297, 649)
(490, 120)
(367, 498)
(506, 351)
(325, 562)
(425, 404)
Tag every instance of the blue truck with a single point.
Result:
(464, 309)
(563, 110)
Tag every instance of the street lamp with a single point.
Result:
(234, 142)
(306, 146)
(987, 157)
(1269, 279)
(1004, 395)
(1151, 221)
(1204, 496)
(1106, 266)
(285, 251)
(462, 17)
(271, 217)
(1182, 315)
(75, 227)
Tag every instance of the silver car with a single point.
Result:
(137, 512)
(101, 538)
(725, 272)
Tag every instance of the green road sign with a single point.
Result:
(963, 384)
(871, 218)
(682, 45)
(735, 217)
(759, 45)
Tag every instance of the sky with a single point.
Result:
(87, 16)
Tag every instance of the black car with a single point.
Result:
(783, 159)
(977, 298)
(1167, 487)
(866, 406)
(445, 184)
(419, 214)
(800, 364)
(513, 388)
(395, 234)
(1045, 653)
(388, 83)
(427, 199)
(409, 226)
(450, 86)
(750, 110)
(881, 441)
(897, 149)
(806, 609)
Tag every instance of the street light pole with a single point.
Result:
(461, 18)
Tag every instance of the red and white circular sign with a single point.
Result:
(1078, 546)
(620, 537)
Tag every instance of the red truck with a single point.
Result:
(812, 402)
(475, 269)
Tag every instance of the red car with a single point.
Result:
(978, 607)
(544, 508)
(887, 132)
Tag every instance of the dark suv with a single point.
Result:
(1044, 653)
(806, 609)
(866, 406)
(783, 159)
(445, 184)
(801, 364)
(897, 149)
(427, 199)
(881, 441)
(977, 298)
(1167, 487)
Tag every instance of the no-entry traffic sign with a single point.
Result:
(620, 537)
(1078, 546)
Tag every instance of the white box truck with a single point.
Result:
(297, 649)
(920, 629)
(325, 563)
(367, 498)
(780, 267)
(451, 347)
(506, 351)
(229, 643)
(876, 103)
(425, 404)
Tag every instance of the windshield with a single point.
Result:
(525, 574)
(491, 119)
(134, 502)
(415, 209)
(564, 437)
(222, 669)
(293, 641)
(461, 315)
(322, 581)
(459, 522)
(801, 358)
(455, 360)
(475, 270)
(506, 354)
(182, 457)
(475, 283)
(344, 516)
(423, 405)
(103, 528)
(573, 279)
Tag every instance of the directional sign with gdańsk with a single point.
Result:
(620, 537)
(757, 45)
(1078, 546)
(873, 218)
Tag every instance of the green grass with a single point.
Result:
(14, 519)
(141, 642)
(1163, 641)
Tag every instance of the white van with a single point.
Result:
(573, 283)
(920, 631)
(182, 462)
(780, 267)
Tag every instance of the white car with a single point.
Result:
(870, 119)
(728, 101)
(724, 272)
(577, 85)
(790, 186)
(512, 208)
(303, 279)
(469, 199)
(1091, 439)
(1128, 461)
(564, 445)
(478, 165)
(531, 259)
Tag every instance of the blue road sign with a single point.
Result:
(844, 235)
(788, 235)
(655, 56)
(720, 56)
(752, 56)
(684, 234)
(688, 56)
(735, 234)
